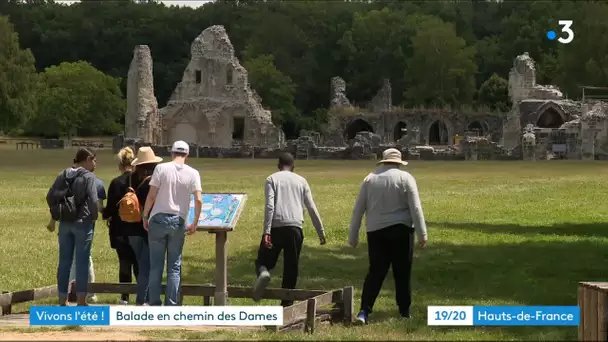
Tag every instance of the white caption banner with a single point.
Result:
(196, 315)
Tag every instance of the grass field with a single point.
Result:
(500, 233)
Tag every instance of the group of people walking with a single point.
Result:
(146, 211)
(389, 199)
(148, 204)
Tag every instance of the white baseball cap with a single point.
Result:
(180, 146)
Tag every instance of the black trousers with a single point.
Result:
(127, 262)
(289, 240)
(390, 246)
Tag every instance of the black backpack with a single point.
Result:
(63, 204)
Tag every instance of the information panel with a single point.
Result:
(220, 210)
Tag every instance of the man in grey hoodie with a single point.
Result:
(75, 189)
(287, 193)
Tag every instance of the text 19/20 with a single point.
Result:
(450, 315)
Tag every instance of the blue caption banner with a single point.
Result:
(526, 315)
(69, 315)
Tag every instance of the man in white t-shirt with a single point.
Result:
(164, 218)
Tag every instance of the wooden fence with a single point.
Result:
(593, 304)
(310, 307)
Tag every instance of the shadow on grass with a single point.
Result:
(562, 229)
(528, 273)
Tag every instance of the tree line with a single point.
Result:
(67, 73)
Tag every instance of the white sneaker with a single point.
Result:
(92, 298)
(123, 302)
(260, 285)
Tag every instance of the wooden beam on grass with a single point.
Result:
(10, 298)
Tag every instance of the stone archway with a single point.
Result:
(356, 126)
(400, 130)
(550, 118)
(184, 131)
(477, 126)
(438, 133)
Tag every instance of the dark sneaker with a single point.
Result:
(361, 318)
(260, 285)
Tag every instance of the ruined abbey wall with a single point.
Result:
(215, 110)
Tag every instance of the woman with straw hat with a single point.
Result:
(144, 164)
(389, 199)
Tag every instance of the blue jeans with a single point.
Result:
(142, 255)
(166, 234)
(75, 240)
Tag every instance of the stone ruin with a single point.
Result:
(338, 94)
(215, 110)
(212, 106)
(143, 117)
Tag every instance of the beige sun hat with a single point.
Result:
(145, 155)
(392, 155)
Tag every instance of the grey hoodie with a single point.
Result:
(84, 190)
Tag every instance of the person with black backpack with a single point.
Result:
(73, 202)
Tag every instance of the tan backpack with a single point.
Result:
(129, 209)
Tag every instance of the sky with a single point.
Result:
(190, 3)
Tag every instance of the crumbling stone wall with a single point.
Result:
(383, 100)
(523, 87)
(337, 94)
(142, 119)
(528, 143)
(594, 132)
(214, 104)
(390, 123)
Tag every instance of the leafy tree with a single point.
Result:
(17, 79)
(276, 90)
(494, 93)
(76, 98)
(312, 41)
(442, 68)
(375, 48)
(585, 60)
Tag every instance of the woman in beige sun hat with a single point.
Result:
(145, 155)
(389, 199)
(144, 164)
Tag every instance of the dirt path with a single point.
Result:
(16, 327)
(81, 335)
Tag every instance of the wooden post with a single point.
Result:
(593, 303)
(311, 314)
(581, 306)
(349, 304)
(6, 309)
(221, 268)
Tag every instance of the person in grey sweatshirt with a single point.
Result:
(389, 199)
(75, 188)
(287, 193)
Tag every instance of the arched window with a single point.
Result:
(358, 125)
(400, 130)
(438, 133)
(550, 119)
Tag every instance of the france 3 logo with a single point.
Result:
(566, 26)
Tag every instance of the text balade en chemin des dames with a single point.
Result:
(161, 315)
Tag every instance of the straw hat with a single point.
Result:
(392, 155)
(145, 155)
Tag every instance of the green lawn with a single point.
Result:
(500, 233)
